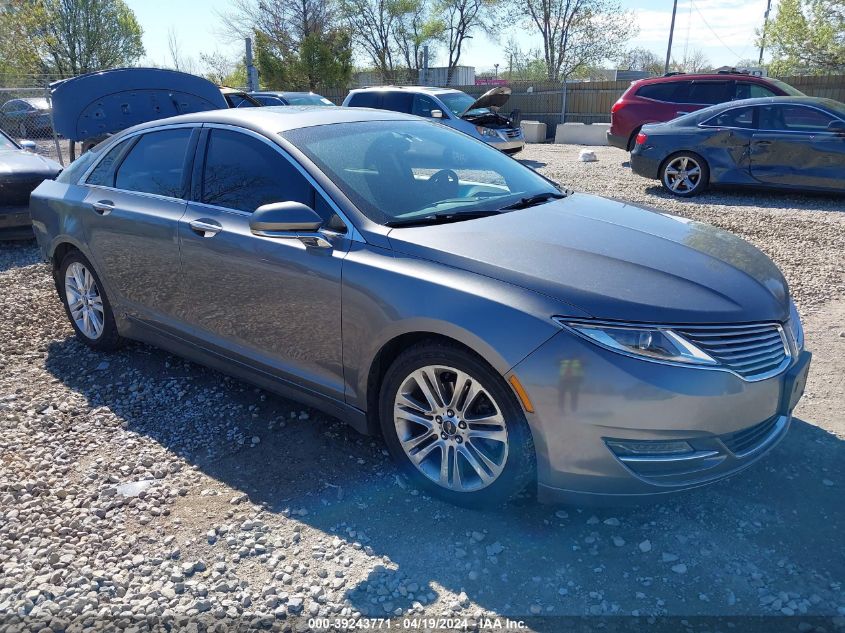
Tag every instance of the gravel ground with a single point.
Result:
(138, 490)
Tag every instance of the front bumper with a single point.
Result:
(15, 223)
(729, 422)
(511, 146)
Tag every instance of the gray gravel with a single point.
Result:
(136, 488)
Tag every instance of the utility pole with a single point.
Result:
(763, 35)
(424, 79)
(251, 72)
(671, 34)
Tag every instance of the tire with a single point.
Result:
(90, 314)
(414, 429)
(23, 130)
(690, 165)
(632, 140)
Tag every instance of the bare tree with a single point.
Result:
(578, 33)
(695, 61)
(414, 29)
(642, 59)
(373, 24)
(177, 60)
(462, 19)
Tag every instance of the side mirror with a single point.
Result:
(437, 114)
(29, 146)
(837, 127)
(289, 220)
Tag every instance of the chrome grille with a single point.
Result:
(752, 351)
(746, 440)
(512, 133)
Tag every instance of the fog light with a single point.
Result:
(646, 447)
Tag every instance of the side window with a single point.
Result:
(156, 164)
(268, 101)
(11, 106)
(423, 105)
(794, 118)
(746, 90)
(244, 173)
(397, 101)
(709, 92)
(738, 117)
(103, 173)
(364, 100)
(663, 91)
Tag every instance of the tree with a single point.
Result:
(299, 44)
(373, 23)
(414, 29)
(177, 60)
(642, 59)
(578, 33)
(461, 20)
(223, 71)
(806, 36)
(694, 61)
(523, 65)
(63, 38)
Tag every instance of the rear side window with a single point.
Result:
(794, 118)
(746, 90)
(268, 101)
(709, 92)
(397, 101)
(244, 173)
(663, 91)
(156, 164)
(737, 117)
(103, 173)
(364, 100)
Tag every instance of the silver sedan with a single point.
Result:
(499, 331)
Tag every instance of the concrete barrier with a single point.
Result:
(582, 133)
(533, 131)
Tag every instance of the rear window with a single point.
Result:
(707, 92)
(662, 91)
(746, 90)
(364, 100)
(103, 173)
(156, 164)
(397, 102)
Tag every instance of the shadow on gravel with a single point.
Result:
(779, 524)
(533, 164)
(761, 198)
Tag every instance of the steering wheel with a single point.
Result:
(446, 180)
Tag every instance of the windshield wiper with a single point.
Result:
(530, 201)
(439, 218)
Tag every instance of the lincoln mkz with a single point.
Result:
(500, 332)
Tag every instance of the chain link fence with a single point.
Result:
(26, 115)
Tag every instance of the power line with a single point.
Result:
(716, 35)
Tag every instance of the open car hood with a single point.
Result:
(105, 102)
(493, 98)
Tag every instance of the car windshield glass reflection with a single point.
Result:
(458, 102)
(411, 170)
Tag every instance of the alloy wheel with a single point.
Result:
(84, 300)
(451, 428)
(682, 175)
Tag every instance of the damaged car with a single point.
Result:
(480, 118)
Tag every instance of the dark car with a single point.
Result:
(500, 332)
(25, 118)
(239, 99)
(21, 171)
(779, 142)
(290, 98)
(660, 99)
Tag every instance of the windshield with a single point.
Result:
(407, 170)
(457, 102)
(307, 99)
(6, 142)
(789, 90)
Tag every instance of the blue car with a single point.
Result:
(291, 98)
(774, 142)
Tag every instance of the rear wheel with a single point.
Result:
(685, 174)
(454, 427)
(23, 130)
(86, 303)
(632, 140)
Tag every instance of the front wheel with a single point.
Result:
(685, 174)
(455, 428)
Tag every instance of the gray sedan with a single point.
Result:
(498, 331)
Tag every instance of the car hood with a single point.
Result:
(613, 261)
(20, 163)
(494, 98)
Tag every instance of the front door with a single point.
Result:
(269, 302)
(134, 199)
(794, 148)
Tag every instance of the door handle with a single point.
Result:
(205, 228)
(103, 207)
(762, 142)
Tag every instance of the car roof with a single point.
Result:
(283, 93)
(815, 101)
(429, 89)
(728, 75)
(275, 119)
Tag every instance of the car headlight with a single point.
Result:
(651, 343)
(796, 330)
(486, 131)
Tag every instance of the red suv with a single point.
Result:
(663, 98)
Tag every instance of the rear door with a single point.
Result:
(794, 148)
(729, 145)
(134, 199)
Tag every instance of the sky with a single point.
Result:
(723, 29)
